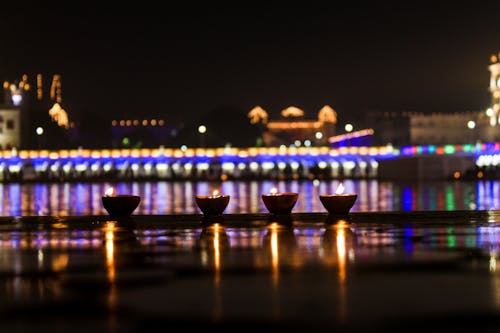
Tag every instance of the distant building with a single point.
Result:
(293, 128)
(419, 128)
(390, 127)
(34, 117)
(10, 127)
(452, 128)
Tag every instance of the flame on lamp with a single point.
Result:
(340, 189)
(216, 194)
(273, 191)
(109, 192)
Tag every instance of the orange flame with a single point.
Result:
(340, 189)
(216, 194)
(109, 192)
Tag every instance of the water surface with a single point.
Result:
(164, 197)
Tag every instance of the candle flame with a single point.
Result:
(274, 190)
(340, 189)
(109, 192)
(216, 194)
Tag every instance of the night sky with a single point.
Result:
(183, 62)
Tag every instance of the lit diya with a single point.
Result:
(280, 203)
(212, 204)
(338, 203)
(120, 204)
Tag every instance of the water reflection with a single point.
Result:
(35, 258)
(78, 199)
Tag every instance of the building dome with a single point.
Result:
(327, 115)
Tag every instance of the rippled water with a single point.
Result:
(77, 199)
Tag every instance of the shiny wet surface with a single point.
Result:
(376, 272)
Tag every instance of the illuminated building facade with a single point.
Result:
(292, 129)
(10, 115)
(33, 116)
(494, 111)
(454, 128)
(418, 128)
(10, 130)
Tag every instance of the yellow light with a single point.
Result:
(257, 114)
(109, 192)
(340, 189)
(292, 111)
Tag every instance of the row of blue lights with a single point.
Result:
(83, 162)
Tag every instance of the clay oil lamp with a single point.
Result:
(338, 203)
(214, 204)
(280, 203)
(119, 204)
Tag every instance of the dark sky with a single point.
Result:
(184, 60)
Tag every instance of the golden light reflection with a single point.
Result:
(109, 236)
(110, 249)
(341, 227)
(216, 244)
(341, 253)
(60, 262)
(274, 245)
(274, 252)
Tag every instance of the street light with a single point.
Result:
(471, 124)
(202, 129)
(348, 128)
(39, 132)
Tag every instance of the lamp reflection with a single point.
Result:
(281, 244)
(336, 239)
(341, 255)
(216, 243)
(273, 229)
(214, 238)
(109, 236)
(274, 253)
(341, 251)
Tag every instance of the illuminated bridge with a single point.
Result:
(238, 163)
